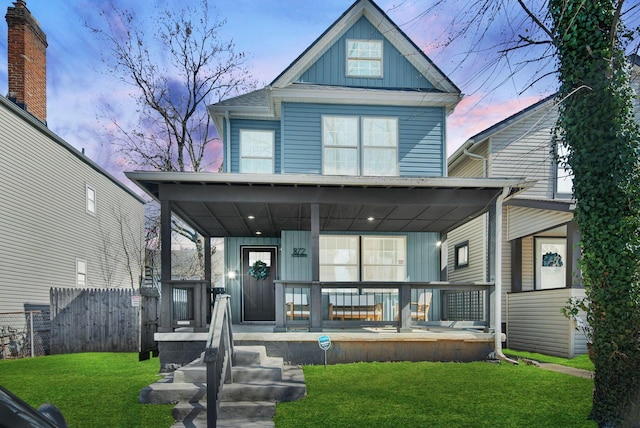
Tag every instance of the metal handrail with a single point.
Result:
(218, 355)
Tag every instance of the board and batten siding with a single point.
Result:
(45, 226)
(331, 67)
(528, 221)
(421, 147)
(523, 149)
(238, 125)
(535, 323)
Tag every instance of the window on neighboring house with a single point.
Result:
(564, 174)
(360, 146)
(461, 255)
(91, 200)
(257, 152)
(551, 254)
(81, 273)
(375, 258)
(364, 58)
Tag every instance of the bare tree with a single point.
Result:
(172, 73)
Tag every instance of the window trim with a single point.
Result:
(456, 255)
(91, 204)
(365, 58)
(359, 146)
(78, 273)
(272, 133)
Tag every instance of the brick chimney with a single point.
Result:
(27, 60)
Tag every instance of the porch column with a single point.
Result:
(316, 289)
(574, 275)
(165, 269)
(405, 308)
(207, 302)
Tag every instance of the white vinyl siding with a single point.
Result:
(528, 221)
(40, 242)
(472, 166)
(473, 232)
(536, 324)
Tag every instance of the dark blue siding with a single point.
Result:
(261, 125)
(331, 69)
(421, 149)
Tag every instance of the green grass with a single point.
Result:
(92, 390)
(579, 362)
(438, 395)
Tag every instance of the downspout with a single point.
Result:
(477, 156)
(227, 164)
(498, 279)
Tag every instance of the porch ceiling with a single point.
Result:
(221, 205)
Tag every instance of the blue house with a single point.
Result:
(334, 194)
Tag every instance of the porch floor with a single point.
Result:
(433, 343)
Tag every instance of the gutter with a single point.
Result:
(498, 279)
(479, 157)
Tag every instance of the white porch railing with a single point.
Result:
(318, 305)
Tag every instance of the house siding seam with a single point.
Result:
(421, 148)
(45, 226)
(331, 69)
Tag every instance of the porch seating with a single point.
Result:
(420, 309)
(297, 306)
(354, 306)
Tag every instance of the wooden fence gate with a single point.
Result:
(149, 313)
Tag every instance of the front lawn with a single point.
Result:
(438, 395)
(92, 389)
(579, 362)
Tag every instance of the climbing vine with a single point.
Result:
(597, 125)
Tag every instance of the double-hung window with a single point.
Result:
(257, 151)
(81, 273)
(364, 58)
(91, 200)
(354, 145)
(564, 174)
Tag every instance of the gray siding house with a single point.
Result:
(61, 215)
(333, 195)
(539, 250)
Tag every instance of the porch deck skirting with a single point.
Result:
(363, 345)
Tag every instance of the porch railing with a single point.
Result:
(218, 355)
(318, 305)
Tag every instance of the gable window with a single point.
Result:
(91, 200)
(256, 152)
(347, 258)
(461, 253)
(564, 174)
(360, 145)
(81, 273)
(364, 58)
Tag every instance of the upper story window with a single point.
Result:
(564, 174)
(81, 273)
(364, 58)
(360, 146)
(257, 152)
(91, 200)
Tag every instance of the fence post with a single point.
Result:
(32, 335)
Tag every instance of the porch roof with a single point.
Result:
(223, 205)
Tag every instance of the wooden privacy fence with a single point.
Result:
(94, 320)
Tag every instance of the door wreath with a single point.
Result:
(259, 270)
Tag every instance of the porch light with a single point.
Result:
(439, 243)
(231, 274)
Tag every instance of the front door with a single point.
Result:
(259, 269)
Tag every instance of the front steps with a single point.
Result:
(259, 382)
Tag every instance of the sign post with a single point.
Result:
(325, 343)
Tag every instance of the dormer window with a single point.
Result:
(364, 58)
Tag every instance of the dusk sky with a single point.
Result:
(272, 33)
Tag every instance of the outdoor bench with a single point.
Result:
(354, 306)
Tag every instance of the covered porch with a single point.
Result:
(254, 208)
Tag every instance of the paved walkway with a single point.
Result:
(587, 374)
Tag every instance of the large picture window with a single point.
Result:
(346, 258)
(256, 152)
(364, 58)
(360, 145)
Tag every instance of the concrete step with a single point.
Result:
(254, 410)
(241, 374)
(167, 393)
(249, 355)
(270, 368)
(263, 391)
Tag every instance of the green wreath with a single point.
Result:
(259, 270)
